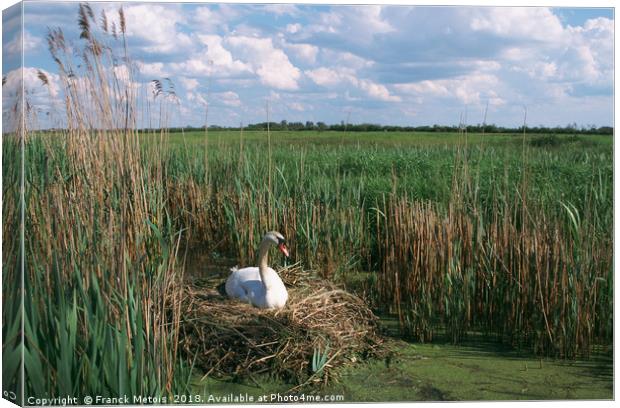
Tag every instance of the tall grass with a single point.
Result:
(455, 239)
(102, 309)
(12, 290)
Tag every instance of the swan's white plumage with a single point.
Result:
(246, 285)
(260, 286)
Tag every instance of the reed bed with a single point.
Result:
(102, 285)
(526, 283)
(453, 239)
(321, 322)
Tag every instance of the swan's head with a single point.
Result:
(278, 240)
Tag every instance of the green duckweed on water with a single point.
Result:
(475, 371)
(427, 372)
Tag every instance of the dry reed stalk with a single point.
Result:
(97, 226)
(504, 279)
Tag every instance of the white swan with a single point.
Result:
(261, 287)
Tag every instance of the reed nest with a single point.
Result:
(225, 337)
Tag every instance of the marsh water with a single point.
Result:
(477, 369)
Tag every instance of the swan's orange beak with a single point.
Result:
(283, 249)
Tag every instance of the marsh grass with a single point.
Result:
(459, 239)
(102, 310)
(456, 235)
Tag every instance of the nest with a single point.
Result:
(322, 327)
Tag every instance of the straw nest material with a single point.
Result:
(320, 322)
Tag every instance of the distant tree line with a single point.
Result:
(372, 127)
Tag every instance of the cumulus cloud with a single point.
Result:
(221, 58)
(469, 89)
(228, 98)
(360, 23)
(281, 9)
(41, 98)
(189, 83)
(328, 77)
(17, 46)
(518, 23)
(305, 52)
(155, 26)
(154, 69)
(271, 64)
(363, 57)
(293, 28)
(209, 20)
(296, 106)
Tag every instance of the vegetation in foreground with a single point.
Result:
(511, 239)
(101, 282)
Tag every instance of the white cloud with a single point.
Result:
(359, 24)
(562, 60)
(370, 19)
(473, 88)
(15, 45)
(124, 77)
(281, 9)
(590, 53)
(208, 20)
(377, 91)
(304, 52)
(196, 98)
(329, 77)
(296, 106)
(223, 62)
(333, 77)
(156, 26)
(228, 98)
(293, 28)
(531, 23)
(271, 64)
(33, 85)
(43, 99)
(189, 83)
(153, 70)
(429, 57)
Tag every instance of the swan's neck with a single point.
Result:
(265, 276)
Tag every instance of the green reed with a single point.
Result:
(456, 239)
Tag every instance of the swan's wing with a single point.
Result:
(254, 292)
(244, 284)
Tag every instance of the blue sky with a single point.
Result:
(401, 65)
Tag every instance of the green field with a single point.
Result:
(333, 138)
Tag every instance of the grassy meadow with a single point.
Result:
(508, 236)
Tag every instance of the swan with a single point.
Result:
(260, 286)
